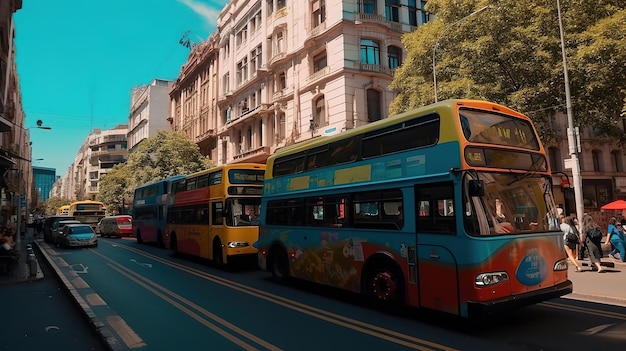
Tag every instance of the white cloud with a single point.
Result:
(203, 10)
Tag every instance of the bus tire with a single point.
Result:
(174, 244)
(384, 286)
(139, 239)
(160, 242)
(279, 265)
(218, 258)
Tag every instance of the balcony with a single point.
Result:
(370, 18)
(277, 57)
(318, 75)
(317, 30)
(206, 135)
(257, 155)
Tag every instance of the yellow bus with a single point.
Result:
(63, 210)
(87, 211)
(213, 214)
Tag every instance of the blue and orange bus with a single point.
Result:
(448, 207)
(149, 211)
(214, 214)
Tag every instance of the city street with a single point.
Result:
(132, 290)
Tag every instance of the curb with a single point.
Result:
(101, 328)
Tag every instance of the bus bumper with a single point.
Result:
(486, 308)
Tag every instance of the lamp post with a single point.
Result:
(18, 224)
(441, 35)
(572, 133)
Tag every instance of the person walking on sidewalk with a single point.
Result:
(615, 237)
(571, 240)
(592, 237)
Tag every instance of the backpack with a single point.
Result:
(595, 233)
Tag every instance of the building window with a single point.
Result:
(597, 162)
(280, 4)
(412, 7)
(260, 134)
(319, 111)
(319, 61)
(249, 141)
(554, 157)
(616, 160)
(392, 10)
(270, 7)
(367, 6)
(242, 71)
(373, 105)
(279, 42)
(370, 52)
(282, 81)
(226, 82)
(318, 12)
(394, 55)
(256, 56)
(281, 127)
(425, 15)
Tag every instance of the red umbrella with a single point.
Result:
(615, 205)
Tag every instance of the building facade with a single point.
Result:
(43, 179)
(148, 111)
(101, 150)
(277, 72)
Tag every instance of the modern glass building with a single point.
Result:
(43, 178)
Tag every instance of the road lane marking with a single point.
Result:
(333, 318)
(140, 281)
(128, 335)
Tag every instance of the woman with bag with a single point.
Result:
(571, 240)
(592, 237)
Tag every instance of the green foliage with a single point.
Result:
(53, 203)
(511, 54)
(159, 157)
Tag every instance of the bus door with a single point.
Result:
(436, 242)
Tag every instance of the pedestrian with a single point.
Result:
(592, 237)
(615, 237)
(571, 239)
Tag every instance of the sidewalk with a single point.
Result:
(25, 271)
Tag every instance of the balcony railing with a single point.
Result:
(319, 74)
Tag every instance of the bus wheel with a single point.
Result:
(218, 258)
(139, 239)
(279, 265)
(160, 242)
(174, 244)
(384, 287)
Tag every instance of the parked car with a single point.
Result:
(48, 223)
(117, 226)
(57, 228)
(77, 235)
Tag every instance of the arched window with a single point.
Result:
(370, 52)
(373, 105)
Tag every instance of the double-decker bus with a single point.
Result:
(448, 207)
(87, 211)
(149, 212)
(63, 210)
(214, 213)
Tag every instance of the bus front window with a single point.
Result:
(512, 204)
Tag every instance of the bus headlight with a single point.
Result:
(561, 265)
(487, 279)
(236, 244)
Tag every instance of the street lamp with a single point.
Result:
(572, 133)
(18, 225)
(441, 35)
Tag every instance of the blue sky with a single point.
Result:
(78, 61)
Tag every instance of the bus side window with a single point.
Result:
(217, 213)
(436, 210)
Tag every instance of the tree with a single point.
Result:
(159, 157)
(511, 54)
(53, 203)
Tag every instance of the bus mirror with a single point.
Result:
(476, 187)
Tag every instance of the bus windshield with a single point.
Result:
(512, 204)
